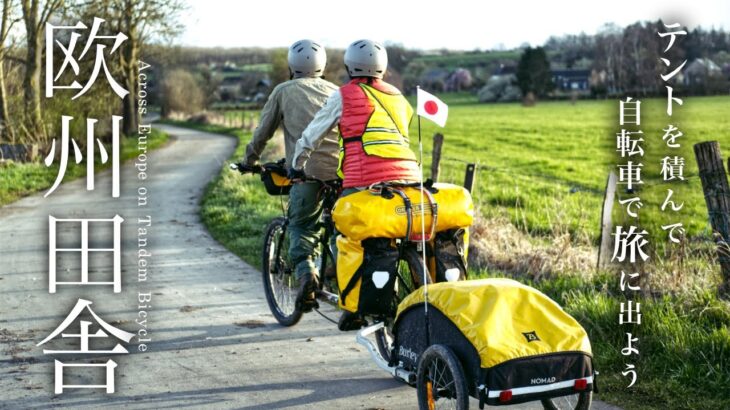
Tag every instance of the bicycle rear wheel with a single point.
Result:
(410, 278)
(280, 285)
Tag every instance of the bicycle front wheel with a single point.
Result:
(280, 285)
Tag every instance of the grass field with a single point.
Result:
(18, 180)
(543, 169)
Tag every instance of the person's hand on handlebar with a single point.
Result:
(296, 175)
(244, 168)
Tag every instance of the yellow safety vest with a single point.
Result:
(386, 132)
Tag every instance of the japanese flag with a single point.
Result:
(432, 108)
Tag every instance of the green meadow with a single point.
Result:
(543, 170)
(20, 179)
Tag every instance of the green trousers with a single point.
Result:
(305, 208)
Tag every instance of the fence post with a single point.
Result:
(254, 122)
(606, 223)
(717, 198)
(471, 173)
(438, 142)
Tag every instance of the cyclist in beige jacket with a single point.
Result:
(292, 105)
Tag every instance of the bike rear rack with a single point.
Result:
(395, 371)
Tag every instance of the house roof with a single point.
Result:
(702, 65)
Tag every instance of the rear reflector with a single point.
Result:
(580, 384)
(505, 396)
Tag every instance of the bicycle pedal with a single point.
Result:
(308, 307)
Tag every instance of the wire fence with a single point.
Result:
(485, 168)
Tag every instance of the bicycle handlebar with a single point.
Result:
(259, 169)
(246, 169)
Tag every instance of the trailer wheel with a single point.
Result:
(440, 381)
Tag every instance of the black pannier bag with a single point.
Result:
(449, 249)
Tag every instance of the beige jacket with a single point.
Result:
(292, 105)
(317, 132)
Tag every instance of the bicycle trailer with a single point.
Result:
(514, 343)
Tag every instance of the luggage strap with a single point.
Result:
(380, 187)
(389, 189)
(409, 213)
(351, 283)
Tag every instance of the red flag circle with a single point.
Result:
(431, 107)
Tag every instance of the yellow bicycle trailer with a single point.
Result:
(496, 340)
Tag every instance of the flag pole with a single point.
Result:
(423, 214)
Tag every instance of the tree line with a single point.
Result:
(628, 59)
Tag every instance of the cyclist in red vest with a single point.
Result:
(373, 119)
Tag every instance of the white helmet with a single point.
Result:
(307, 59)
(366, 58)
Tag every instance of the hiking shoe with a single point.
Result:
(306, 300)
(351, 321)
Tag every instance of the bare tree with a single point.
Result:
(142, 21)
(35, 17)
(7, 20)
(610, 47)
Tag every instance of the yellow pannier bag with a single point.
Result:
(349, 259)
(367, 214)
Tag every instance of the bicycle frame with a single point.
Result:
(326, 254)
(331, 191)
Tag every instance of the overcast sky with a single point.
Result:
(454, 24)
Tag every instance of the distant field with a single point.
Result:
(545, 167)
